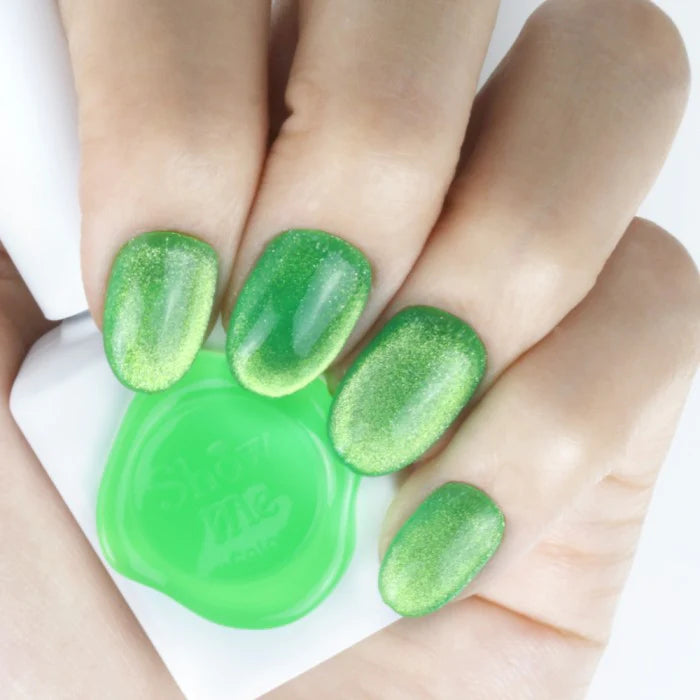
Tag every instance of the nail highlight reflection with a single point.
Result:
(296, 310)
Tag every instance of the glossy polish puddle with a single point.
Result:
(231, 503)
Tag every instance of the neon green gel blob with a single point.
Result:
(230, 502)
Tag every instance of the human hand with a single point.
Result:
(563, 143)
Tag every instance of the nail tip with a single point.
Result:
(369, 472)
(137, 384)
(415, 611)
(269, 389)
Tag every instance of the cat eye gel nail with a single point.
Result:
(440, 549)
(404, 389)
(296, 310)
(157, 309)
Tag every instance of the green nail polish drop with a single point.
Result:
(296, 310)
(440, 549)
(159, 300)
(404, 389)
(229, 502)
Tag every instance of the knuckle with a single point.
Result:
(351, 148)
(402, 123)
(634, 37)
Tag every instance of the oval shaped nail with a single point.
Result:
(157, 308)
(296, 310)
(441, 548)
(404, 389)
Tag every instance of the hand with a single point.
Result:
(587, 369)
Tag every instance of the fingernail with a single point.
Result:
(404, 389)
(159, 300)
(440, 549)
(296, 310)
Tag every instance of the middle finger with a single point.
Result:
(379, 94)
(570, 133)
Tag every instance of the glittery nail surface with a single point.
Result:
(296, 310)
(159, 300)
(405, 389)
(440, 549)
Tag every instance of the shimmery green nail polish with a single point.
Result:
(296, 310)
(440, 549)
(405, 389)
(158, 304)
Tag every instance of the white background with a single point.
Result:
(655, 649)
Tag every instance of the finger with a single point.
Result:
(563, 417)
(570, 133)
(556, 602)
(378, 110)
(21, 322)
(65, 628)
(472, 649)
(173, 106)
(284, 27)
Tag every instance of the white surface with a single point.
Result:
(71, 433)
(655, 647)
(39, 213)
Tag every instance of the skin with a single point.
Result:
(592, 335)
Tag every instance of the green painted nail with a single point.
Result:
(158, 305)
(405, 389)
(296, 310)
(440, 549)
